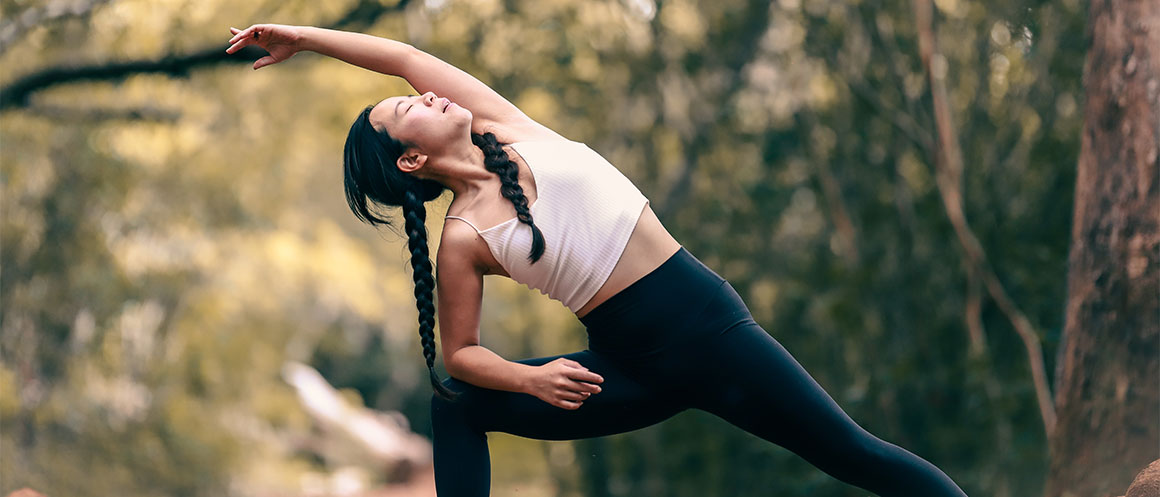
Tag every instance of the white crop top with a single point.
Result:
(586, 210)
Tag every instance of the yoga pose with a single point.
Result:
(665, 332)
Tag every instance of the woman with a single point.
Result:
(665, 332)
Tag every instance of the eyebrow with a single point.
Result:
(397, 106)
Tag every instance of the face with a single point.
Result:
(426, 122)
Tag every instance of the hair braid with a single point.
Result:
(496, 160)
(415, 214)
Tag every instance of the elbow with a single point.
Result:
(408, 51)
(453, 368)
(408, 57)
(452, 371)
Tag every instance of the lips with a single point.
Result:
(446, 105)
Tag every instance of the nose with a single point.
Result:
(429, 98)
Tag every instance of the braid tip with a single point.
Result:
(441, 389)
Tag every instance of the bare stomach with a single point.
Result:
(649, 246)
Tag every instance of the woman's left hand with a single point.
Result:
(281, 41)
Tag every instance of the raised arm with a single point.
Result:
(425, 72)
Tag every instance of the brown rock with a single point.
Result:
(1147, 483)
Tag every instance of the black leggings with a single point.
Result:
(676, 339)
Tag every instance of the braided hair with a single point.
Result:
(496, 160)
(370, 178)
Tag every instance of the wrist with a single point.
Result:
(524, 375)
(307, 38)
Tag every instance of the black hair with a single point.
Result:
(371, 178)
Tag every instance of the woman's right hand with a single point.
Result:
(281, 41)
(563, 383)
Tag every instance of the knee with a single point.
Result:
(851, 454)
(460, 417)
(873, 452)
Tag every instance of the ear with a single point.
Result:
(411, 160)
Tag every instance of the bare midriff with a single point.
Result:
(649, 246)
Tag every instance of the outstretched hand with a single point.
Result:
(564, 383)
(281, 41)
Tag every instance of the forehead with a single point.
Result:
(382, 116)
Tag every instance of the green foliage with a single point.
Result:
(160, 266)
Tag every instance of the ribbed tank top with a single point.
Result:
(586, 210)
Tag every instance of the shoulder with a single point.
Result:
(460, 251)
(457, 243)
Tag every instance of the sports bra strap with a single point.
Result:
(464, 220)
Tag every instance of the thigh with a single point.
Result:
(753, 382)
(623, 405)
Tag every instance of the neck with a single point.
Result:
(461, 169)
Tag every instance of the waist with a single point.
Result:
(680, 300)
(649, 240)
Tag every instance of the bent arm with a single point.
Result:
(480, 366)
(460, 287)
(562, 382)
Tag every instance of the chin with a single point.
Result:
(465, 121)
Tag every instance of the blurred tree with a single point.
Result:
(174, 228)
(1109, 375)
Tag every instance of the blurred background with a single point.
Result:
(190, 309)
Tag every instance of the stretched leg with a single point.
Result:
(747, 378)
(462, 462)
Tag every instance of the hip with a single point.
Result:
(679, 301)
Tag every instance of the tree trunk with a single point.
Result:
(1108, 376)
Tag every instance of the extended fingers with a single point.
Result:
(567, 399)
(237, 35)
(238, 45)
(585, 375)
(240, 34)
(239, 40)
(245, 37)
(572, 395)
(568, 404)
(578, 387)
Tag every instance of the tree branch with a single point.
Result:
(949, 162)
(74, 115)
(18, 93)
